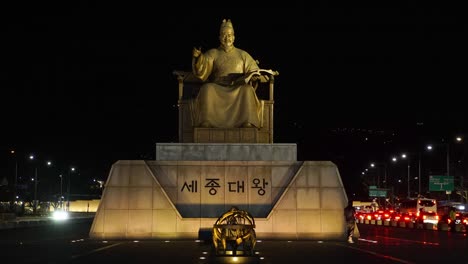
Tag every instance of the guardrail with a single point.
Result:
(404, 224)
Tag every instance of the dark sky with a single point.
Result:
(89, 84)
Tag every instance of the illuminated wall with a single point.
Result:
(172, 199)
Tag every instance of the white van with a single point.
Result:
(423, 209)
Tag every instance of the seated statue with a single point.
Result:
(226, 98)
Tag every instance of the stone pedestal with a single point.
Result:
(225, 152)
(190, 185)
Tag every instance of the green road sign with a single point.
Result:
(441, 183)
(374, 192)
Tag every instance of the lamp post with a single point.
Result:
(419, 173)
(36, 182)
(61, 192)
(31, 157)
(460, 139)
(378, 175)
(35, 189)
(404, 156)
(72, 169)
(448, 158)
(373, 164)
(447, 145)
(15, 188)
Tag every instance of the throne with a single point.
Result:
(189, 86)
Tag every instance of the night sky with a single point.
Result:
(87, 84)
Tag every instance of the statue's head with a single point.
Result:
(226, 35)
(227, 24)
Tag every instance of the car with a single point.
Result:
(444, 215)
(428, 217)
(464, 219)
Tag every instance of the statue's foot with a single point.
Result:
(247, 124)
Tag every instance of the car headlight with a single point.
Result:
(60, 215)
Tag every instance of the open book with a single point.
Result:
(259, 72)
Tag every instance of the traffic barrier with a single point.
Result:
(430, 226)
(459, 228)
(410, 225)
(443, 227)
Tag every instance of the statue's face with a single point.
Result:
(226, 37)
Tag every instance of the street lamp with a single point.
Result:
(404, 156)
(61, 192)
(447, 145)
(36, 182)
(373, 164)
(460, 139)
(16, 175)
(419, 173)
(31, 157)
(72, 169)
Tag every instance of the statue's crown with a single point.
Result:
(226, 24)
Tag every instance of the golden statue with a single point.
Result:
(226, 99)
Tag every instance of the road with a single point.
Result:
(69, 243)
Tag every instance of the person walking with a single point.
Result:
(350, 218)
(453, 218)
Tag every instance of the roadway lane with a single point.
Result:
(69, 243)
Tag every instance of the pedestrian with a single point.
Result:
(420, 219)
(453, 217)
(350, 218)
